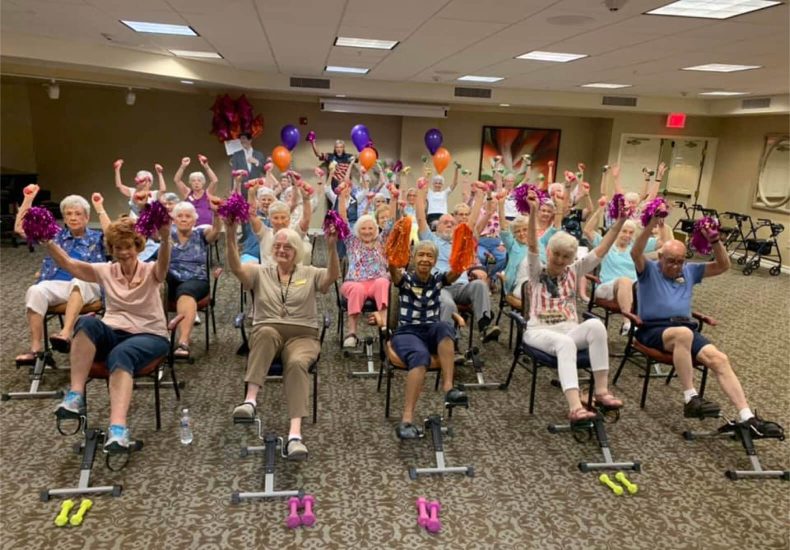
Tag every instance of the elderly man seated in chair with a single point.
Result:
(421, 333)
(664, 305)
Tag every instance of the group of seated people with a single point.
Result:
(285, 323)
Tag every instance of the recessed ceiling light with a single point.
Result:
(190, 82)
(340, 95)
(473, 78)
(191, 53)
(551, 56)
(723, 93)
(160, 28)
(605, 85)
(721, 68)
(504, 104)
(708, 9)
(350, 70)
(365, 43)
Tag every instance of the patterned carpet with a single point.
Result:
(527, 493)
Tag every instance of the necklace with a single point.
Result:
(284, 295)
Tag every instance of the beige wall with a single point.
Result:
(16, 130)
(737, 164)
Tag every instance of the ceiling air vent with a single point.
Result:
(618, 101)
(756, 103)
(484, 93)
(322, 83)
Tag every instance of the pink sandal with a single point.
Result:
(581, 414)
(608, 401)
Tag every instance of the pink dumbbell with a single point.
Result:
(293, 520)
(422, 519)
(308, 517)
(434, 524)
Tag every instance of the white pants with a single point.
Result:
(41, 296)
(564, 339)
(605, 291)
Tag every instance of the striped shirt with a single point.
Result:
(552, 300)
(418, 301)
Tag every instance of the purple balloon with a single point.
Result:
(360, 136)
(289, 135)
(433, 140)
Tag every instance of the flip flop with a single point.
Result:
(27, 358)
(181, 351)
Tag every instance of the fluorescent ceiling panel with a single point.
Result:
(160, 28)
(348, 70)
(605, 85)
(723, 93)
(488, 79)
(712, 9)
(365, 43)
(721, 68)
(554, 57)
(191, 53)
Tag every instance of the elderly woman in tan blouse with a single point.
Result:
(285, 322)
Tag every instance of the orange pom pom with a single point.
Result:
(397, 249)
(464, 251)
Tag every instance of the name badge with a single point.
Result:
(300, 282)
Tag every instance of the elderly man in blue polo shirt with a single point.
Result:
(55, 285)
(462, 291)
(664, 304)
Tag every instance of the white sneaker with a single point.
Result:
(350, 341)
(625, 328)
(197, 320)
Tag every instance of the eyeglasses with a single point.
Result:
(285, 247)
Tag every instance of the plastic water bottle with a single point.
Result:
(186, 427)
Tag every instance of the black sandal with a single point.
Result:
(182, 348)
(59, 344)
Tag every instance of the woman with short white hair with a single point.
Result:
(554, 326)
(143, 182)
(197, 193)
(187, 275)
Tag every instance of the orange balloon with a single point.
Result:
(367, 158)
(281, 157)
(441, 159)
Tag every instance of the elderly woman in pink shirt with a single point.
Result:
(133, 331)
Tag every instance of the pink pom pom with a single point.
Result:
(397, 167)
(39, 225)
(310, 136)
(319, 173)
(235, 209)
(151, 219)
(239, 173)
(334, 223)
(656, 208)
(521, 193)
(422, 183)
(699, 240)
(616, 206)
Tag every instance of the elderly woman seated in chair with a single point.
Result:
(133, 331)
(285, 323)
(56, 285)
(420, 333)
(553, 325)
(187, 277)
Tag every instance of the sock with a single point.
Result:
(294, 436)
(745, 414)
(688, 394)
(484, 321)
(117, 426)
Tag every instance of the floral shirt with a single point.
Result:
(366, 263)
(188, 260)
(492, 227)
(87, 248)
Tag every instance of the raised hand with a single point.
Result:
(662, 168)
(97, 200)
(30, 191)
(159, 169)
(117, 164)
(202, 159)
(185, 162)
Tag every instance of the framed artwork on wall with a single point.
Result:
(512, 144)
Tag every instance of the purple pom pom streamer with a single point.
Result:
(616, 205)
(151, 219)
(699, 241)
(333, 221)
(235, 209)
(520, 193)
(39, 225)
(652, 209)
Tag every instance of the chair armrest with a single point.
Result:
(704, 319)
(238, 320)
(635, 319)
(518, 318)
(327, 320)
(592, 278)
(218, 272)
(173, 324)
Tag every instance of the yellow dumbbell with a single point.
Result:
(77, 518)
(631, 487)
(63, 516)
(606, 480)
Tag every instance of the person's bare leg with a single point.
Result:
(186, 306)
(414, 382)
(74, 305)
(353, 321)
(121, 385)
(252, 392)
(623, 290)
(296, 427)
(81, 358)
(446, 352)
(36, 324)
(719, 363)
(573, 399)
(678, 340)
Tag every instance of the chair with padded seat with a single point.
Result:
(607, 307)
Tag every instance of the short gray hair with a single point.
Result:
(75, 201)
(519, 221)
(427, 244)
(362, 219)
(198, 175)
(438, 179)
(563, 242)
(185, 206)
(294, 239)
(171, 197)
(632, 196)
(263, 191)
(279, 206)
(145, 174)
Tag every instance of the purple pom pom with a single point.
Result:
(39, 225)
(616, 205)
(151, 219)
(699, 241)
(656, 208)
(397, 167)
(520, 193)
(235, 209)
(333, 221)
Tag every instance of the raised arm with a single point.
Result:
(307, 206)
(504, 223)
(332, 264)
(80, 270)
(163, 255)
(638, 250)
(342, 204)
(485, 215)
(29, 193)
(212, 233)
(476, 208)
(316, 152)
(618, 188)
(178, 179)
(532, 225)
(160, 175)
(422, 220)
(125, 191)
(721, 260)
(244, 273)
(456, 173)
(652, 191)
(609, 238)
(212, 177)
(592, 223)
(98, 204)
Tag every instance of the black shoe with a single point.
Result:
(456, 398)
(491, 333)
(701, 408)
(407, 430)
(764, 428)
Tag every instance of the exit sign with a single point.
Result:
(676, 120)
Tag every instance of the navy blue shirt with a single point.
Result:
(418, 301)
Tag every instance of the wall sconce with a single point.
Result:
(53, 90)
(130, 97)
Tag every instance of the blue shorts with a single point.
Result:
(121, 349)
(415, 344)
(651, 335)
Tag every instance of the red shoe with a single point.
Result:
(608, 401)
